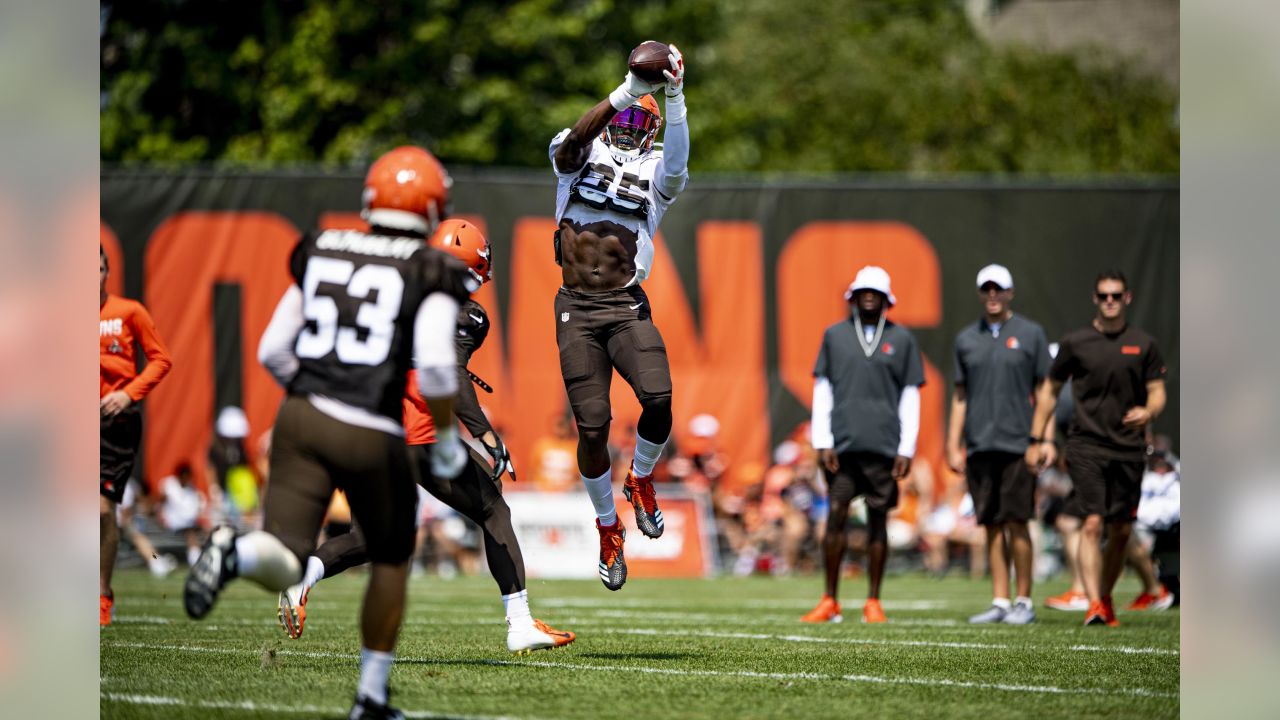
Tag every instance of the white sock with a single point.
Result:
(1002, 603)
(375, 668)
(262, 558)
(314, 573)
(647, 454)
(601, 492)
(517, 607)
(1023, 600)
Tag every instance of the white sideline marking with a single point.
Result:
(883, 680)
(251, 706)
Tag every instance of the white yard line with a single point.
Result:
(250, 706)
(883, 680)
(149, 621)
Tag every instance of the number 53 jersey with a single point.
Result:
(625, 194)
(360, 296)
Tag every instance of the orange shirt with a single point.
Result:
(121, 323)
(419, 428)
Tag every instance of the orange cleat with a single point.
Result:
(1070, 601)
(644, 499)
(613, 566)
(1110, 609)
(106, 609)
(872, 612)
(1163, 600)
(1099, 614)
(827, 611)
(291, 610)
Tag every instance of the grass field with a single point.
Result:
(725, 648)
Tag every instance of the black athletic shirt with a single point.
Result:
(1109, 373)
(473, 328)
(361, 292)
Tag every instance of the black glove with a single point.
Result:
(501, 458)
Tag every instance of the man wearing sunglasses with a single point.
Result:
(613, 187)
(1117, 378)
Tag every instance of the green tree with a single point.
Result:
(802, 86)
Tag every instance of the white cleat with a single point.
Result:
(292, 610)
(538, 636)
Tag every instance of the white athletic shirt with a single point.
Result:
(634, 179)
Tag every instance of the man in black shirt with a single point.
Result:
(1000, 362)
(1117, 378)
(866, 418)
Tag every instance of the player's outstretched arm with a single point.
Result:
(436, 361)
(573, 152)
(673, 172)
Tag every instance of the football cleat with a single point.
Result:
(1146, 601)
(106, 609)
(1097, 615)
(1109, 607)
(538, 636)
(993, 614)
(292, 610)
(827, 611)
(1021, 614)
(215, 567)
(640, 493)
(872, 612)
(1070, 601)
(613, 567)
(367, 709)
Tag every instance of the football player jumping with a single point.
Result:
(476, 493)
(613, 187)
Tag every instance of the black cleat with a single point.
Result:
(366, 709)
(216, 566)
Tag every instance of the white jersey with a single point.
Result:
(626, 194)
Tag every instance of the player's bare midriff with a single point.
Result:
(596, 256)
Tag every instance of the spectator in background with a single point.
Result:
(233, 487)
(127, 516)
(1000, 362)
(866, 418)
(1156, 529)
(554, 459)
(180, 506)
(703, 450)
(1117, 376)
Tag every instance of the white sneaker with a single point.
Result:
(1021, 614)
(993, 614)
(538, 636)
(292, 610)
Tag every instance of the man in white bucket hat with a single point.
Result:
(866, 418)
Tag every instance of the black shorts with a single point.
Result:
(1103, 485)
(599, 331)
(313, 454)
(118, 440)
(866, 474)
(1002, 488)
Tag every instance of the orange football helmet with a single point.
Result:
(630, 134)
(407, 189)
(464, 241)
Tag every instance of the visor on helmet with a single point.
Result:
(631, 128)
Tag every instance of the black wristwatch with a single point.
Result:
(1036, 440)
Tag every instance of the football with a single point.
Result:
(648, 61)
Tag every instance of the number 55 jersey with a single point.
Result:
(628, 193)
(360, 297)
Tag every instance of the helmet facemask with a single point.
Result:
(630, 134)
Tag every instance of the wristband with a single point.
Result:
(620, 99)
(1036, 440)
